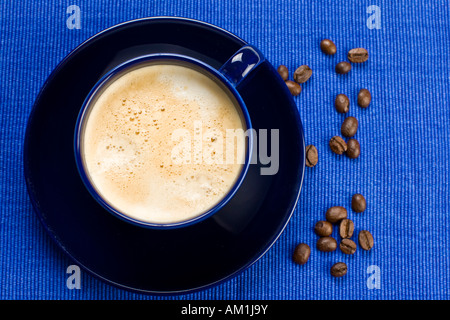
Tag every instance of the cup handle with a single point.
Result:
(241, 64)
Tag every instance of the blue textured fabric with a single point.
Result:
(403, 169)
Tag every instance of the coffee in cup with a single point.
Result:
(155, 141)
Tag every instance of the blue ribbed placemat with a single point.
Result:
(403, 170)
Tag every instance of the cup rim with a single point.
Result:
(83, 115)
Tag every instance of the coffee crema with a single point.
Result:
(133, 158)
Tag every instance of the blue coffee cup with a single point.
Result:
(230, 76)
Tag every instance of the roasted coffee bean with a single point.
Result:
(326, 244)
(349, 127)
(312, 157)
(343, 67)
(365, 240)
(342, 103)
(358, 55)
(358, 203)
(353, 149)
(347, 246)
(336, 214)
(346, 228)
(302, 74)
(338, 145)
(364, 98)
(327, 46)
(283, 72)
(301, 253)
(323, 228)
(293, 87)
(338, 269)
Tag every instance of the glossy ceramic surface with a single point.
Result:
(177, 59)
(141, 259)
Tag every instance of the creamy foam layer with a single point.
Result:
(156, 143)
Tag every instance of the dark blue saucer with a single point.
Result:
(136, 258)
